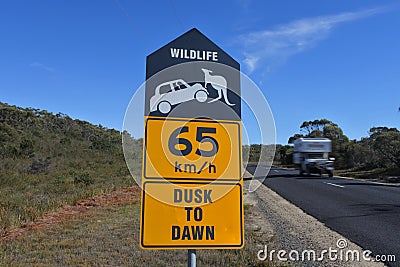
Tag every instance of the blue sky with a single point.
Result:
(312, 59)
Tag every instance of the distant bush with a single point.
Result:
(26, 148)
(39, 165)
(83, 178)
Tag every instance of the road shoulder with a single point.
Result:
(292, 229)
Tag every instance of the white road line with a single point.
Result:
(335, 185)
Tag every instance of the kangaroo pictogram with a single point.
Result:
(218, 83)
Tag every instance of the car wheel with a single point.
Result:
(164, 107)
(201, 96)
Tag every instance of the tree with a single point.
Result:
(360, 154)
(285, 154)
(294, 137)
(314, 128)
(385, 142)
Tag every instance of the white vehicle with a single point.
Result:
(175, 92)
(311, 155)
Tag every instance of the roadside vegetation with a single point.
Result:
(109, 236)
(48, 160)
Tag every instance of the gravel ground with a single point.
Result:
(287, 227)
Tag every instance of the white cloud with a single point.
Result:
(279, 43)
(251, 62)
(41, 66)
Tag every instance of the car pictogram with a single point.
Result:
(175, 92)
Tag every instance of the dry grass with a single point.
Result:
(109, 236)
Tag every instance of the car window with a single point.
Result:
(180, 85)
(315, 155)
(165, 89)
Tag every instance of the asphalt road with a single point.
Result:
(365, 213)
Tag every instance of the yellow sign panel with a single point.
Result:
(197, 149)
(192, 215)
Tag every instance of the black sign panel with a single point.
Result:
(207, 87)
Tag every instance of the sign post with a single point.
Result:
(192, 258)
(192, 159)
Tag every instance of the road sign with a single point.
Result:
(192, 160)
(210, 88)
(210, 150)
(196, 220)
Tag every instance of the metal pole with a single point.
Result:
(191, 258)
